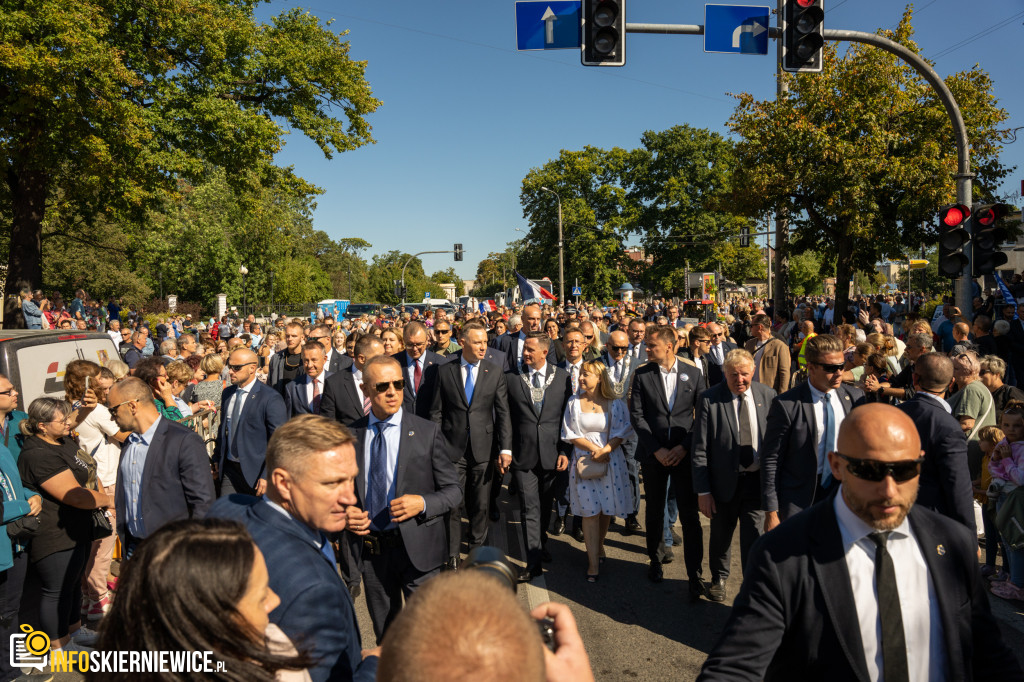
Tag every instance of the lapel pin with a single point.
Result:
(412, 433)
(940, 550)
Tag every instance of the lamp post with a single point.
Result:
(514, 248)
(561, 259)
(243, 271)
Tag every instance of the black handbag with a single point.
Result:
(101, 527)
(23, 529)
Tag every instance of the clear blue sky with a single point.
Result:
(465, 116)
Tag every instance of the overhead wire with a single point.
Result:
(1002, 23)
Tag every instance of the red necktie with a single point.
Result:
(316, 396)
(366, 405)
(417, 374)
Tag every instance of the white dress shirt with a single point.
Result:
(309, 386)
(922, 622)
(819, 421)
(669, 379)
(357, 375)
(574, 379)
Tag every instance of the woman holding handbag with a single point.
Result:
(596, 422)
(52, 464)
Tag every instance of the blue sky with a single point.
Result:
(465, 116)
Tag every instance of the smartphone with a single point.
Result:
(87, 383)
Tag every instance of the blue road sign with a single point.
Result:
(548, 25)
(740, 29)
(426, 295)
(577, 291)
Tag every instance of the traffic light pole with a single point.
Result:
(407, 265)
(963, 176)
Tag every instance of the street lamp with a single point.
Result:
(243, 271)
(561, 259)
(517, 229)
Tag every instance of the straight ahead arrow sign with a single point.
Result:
(549, 20)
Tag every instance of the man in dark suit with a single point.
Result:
(700, 345)
(823, 599)
(636, 329)
(512, 344)
(335, 361)
(945, 480)
(343, 396)
(286, 364)
(164, 473)
(803, 424)
(720, 347)
(661, 406)
(537, 396)
(491, 355)
(471, 406)
(405, 487)
(304, 395)
(727, 437)
(252, 412)
(621, 368)
(312, 472)
(420, 368)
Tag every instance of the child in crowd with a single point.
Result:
(1006, 464)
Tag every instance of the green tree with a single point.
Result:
(862, 154)
(928, 278)
(105, 105)
(806, 276)
(449, 276)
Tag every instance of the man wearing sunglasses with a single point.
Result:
(400, 512)
(945, 479)
(867, 584)
(720, 347)
(803, 424)
(252, 412)
(621, 368)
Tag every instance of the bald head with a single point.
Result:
(878, 427)
(492, 640)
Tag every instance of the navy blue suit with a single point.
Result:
(295, 394)
(420, 402)
(715, 374)
(264, 410)
(316, 608)
(176, 480)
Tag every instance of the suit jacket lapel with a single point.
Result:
(844, 398)
(460, 385)
(829, 563)
(151, 455)
(725, 395)
(659, 386)
(406, 443)
(947, 591)
(361, 434)
(807, 402)
(350, 386)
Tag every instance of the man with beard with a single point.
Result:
(822, 595)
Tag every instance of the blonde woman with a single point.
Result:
(596, 423)
(886, 345)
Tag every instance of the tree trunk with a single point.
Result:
(844, 272)
(29, 190)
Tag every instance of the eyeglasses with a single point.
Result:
(829, 368)
(618, 349)
(382, 386)
(875, 471)
(981, 373)
(113, 408)
(238, 368)
(9, 391)
(443, 331)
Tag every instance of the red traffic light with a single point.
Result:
(988, 215)
(954, 215)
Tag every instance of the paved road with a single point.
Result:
(634, 629)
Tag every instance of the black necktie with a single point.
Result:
(894, 643)
(746, 442)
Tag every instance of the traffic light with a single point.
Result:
(458, 252)
(953, 239)
(803, 25)
(604, 33)
(986, 238)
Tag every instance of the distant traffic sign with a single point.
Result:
(739, 29)
(577, 291)
(548, 25)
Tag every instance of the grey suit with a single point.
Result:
(789, 460)
(416, 549)
(716, 471)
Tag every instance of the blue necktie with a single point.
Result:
(829, 442)
(469, 383)
(377, 497)
(327, 550)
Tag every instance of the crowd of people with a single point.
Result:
(367, 455)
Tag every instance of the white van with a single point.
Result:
(34, 360)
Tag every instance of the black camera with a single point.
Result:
(493, 561)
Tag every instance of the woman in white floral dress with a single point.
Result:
(596, 423)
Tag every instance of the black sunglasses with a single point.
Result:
(619, 348)
(830, 368)
(382, 386)
(237, 368)
(875, 471)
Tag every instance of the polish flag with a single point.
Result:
(487, 306)
(532, 291)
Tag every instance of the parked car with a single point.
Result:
(34, 360)
(356, 310)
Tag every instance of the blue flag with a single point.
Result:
(1008, 297)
